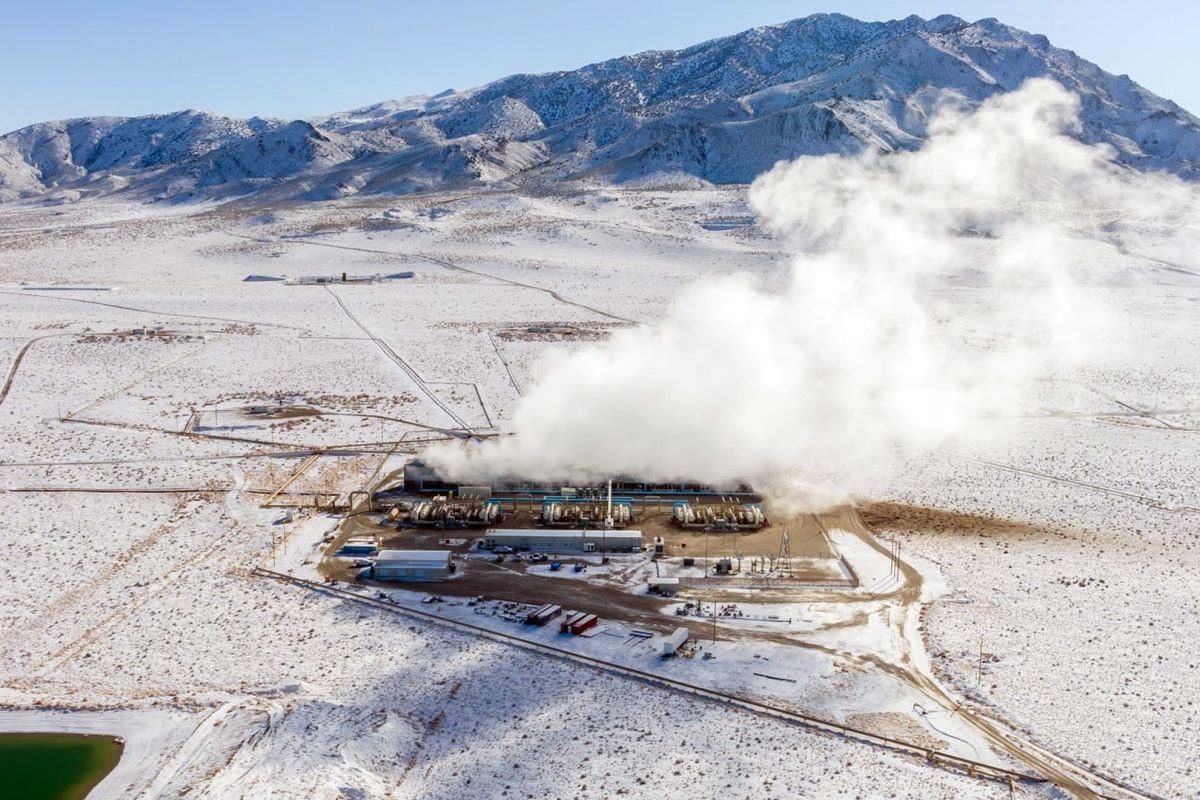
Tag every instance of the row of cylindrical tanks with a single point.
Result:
(442, 511)
(575, 515)
(728, 516)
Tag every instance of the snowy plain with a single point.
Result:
(1068, 547)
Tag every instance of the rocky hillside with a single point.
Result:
(722, 111)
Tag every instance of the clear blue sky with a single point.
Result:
(298, 58)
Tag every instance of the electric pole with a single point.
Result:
(979, 671)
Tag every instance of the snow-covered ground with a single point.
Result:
(120, 599)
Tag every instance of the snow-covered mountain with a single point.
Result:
(722, 111)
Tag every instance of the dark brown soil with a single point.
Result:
(923, 520)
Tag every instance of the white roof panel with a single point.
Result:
(423, 558)
(565, 533)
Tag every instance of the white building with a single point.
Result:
(565, 540)
(412, 565)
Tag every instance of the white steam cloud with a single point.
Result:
(804, 389)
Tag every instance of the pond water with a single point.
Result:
(55, 766)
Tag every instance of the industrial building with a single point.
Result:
(420, 478)
(565, 540)
(358, 547)
(412, 565)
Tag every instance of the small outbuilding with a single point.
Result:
(412, 565)
(358, 547)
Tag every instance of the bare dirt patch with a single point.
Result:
(921, 519)
(898, 726)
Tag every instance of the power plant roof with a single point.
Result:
(565, 533)
(415, 558)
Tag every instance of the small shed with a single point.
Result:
(412, 565)
(358, 547)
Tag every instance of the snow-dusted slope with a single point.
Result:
(721, 111)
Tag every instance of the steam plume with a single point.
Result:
(810, 386)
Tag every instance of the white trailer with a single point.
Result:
(670, 644)
(667, 587)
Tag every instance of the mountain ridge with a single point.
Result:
(720, 111)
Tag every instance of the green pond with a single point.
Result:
(54, 766)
